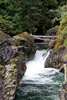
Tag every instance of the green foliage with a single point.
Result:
(63, 25)
(17, 16)
(56, 14)
(13, 67)
(62, 31)
(10, 21)
(65, 42)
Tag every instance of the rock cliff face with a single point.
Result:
(57, 58)
(14, 52)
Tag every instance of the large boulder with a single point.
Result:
(53, 31)
(14, 52)
(56, 59)
(26, 42)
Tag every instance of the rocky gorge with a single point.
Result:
(24, 26)
(14, 52)
(57, 58)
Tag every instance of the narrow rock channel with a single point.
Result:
(39, 83)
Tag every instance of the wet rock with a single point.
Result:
(56, 59)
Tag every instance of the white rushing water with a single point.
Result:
(39, 83)
(36, 73)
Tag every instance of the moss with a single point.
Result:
(63, 25)
(66, 56)
(62, 35)
(57, 45)
(13, 66)
(24, 35)
(65, 42)
(17, 37)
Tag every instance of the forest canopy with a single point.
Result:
(17, 16)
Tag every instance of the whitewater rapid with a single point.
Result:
(36, 70)
(39, 83)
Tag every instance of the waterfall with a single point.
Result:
(39, 83)
(35, 69)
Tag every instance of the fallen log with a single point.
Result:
(41, 36)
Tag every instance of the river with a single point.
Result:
(39, 83)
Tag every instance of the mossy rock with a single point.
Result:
(24, 35)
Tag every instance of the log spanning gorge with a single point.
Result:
(39, 83)
(44, 40)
